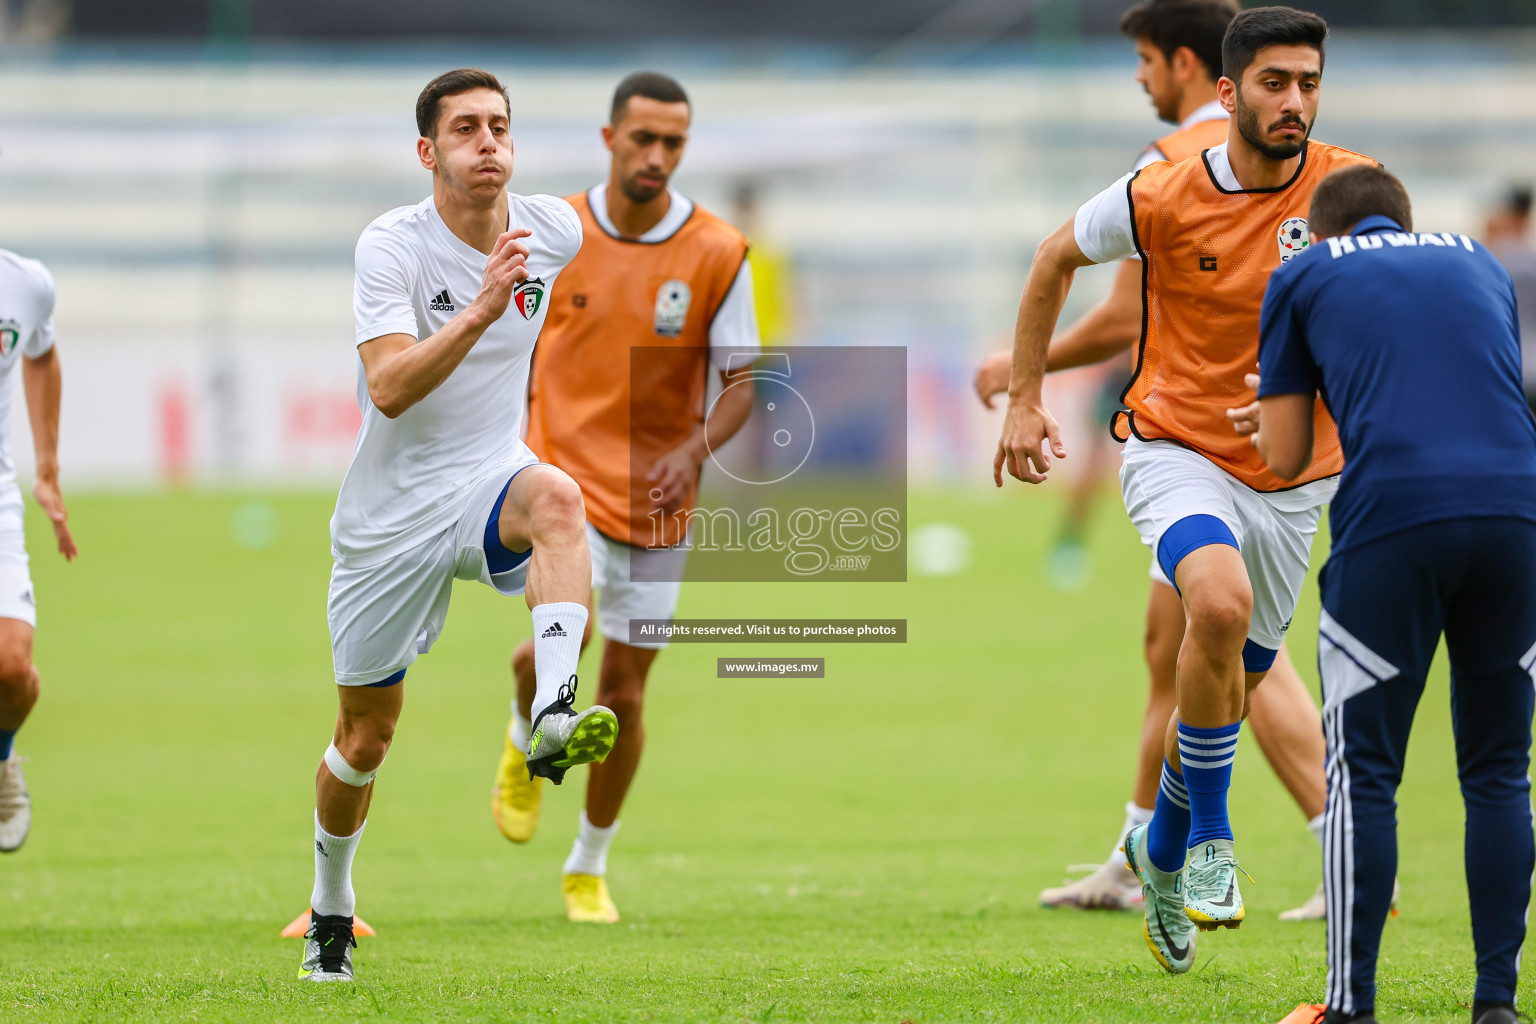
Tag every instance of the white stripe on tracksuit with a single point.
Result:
(1338, 865)
(1347, 667)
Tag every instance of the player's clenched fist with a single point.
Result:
(1030, 437)
(506, 268)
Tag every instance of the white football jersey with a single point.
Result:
(26, 328)
(408, 474)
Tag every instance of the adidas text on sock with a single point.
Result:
(557, 629)
(333, 871)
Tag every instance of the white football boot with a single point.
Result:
(15, 804)
(1111, 886)
(1316, 907)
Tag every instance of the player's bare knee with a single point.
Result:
(624, 695)
(1219, 614)
(522, 658)
(1160, 649)
(16, 675)
(556, 506)
(365, 743)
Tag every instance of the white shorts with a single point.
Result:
(383, 616)
(16, 597)
(621, 598)
(1163, 482)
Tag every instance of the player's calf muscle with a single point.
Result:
(18, 678)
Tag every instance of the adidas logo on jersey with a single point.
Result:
(554, 630)
(441, 302)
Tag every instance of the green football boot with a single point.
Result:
(1169, 932)
(1211, 896)
(563, 737)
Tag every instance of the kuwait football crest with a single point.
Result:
(1293, 237)
(529, 296)
(10, 335)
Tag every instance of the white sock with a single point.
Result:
(520, 728)
(589, 854)
(333, 871)
(557, 630)
(1315, 826)
(1135, 815)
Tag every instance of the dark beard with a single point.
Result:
(1248, 128)
(638, 195)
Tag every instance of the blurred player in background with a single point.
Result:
(656, 270)
(1389, 325)
(1178, 48)
(26, 337)
(1508, 236)
(449, 300)
(773, 270)
(1232, 537)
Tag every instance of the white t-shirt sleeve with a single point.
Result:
(381, 290)
(41, 339)
(1103, 227)
(568, 243)
(1150, 155)
(735, 325)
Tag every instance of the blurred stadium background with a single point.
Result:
(196, 173)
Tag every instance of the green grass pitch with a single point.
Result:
(866, 847)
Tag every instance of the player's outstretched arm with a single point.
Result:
(1028, 426)
(43, 380)
(401, 371)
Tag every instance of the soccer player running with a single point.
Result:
(1232, 537)
(26, 338)
(1178, 49)
(658, 271)
(448, 301)
(1434, 531)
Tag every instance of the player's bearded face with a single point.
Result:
(1276, 103)
(647, 145)
(1277, 137)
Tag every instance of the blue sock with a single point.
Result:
(6, 739)
(1168, 834)
(1207, 756)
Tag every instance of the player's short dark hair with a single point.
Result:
(453, 83)
(1348, 196)
(653, 85)
(1170, 24)
(1259, 27)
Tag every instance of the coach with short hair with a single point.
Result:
(1413, 342)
